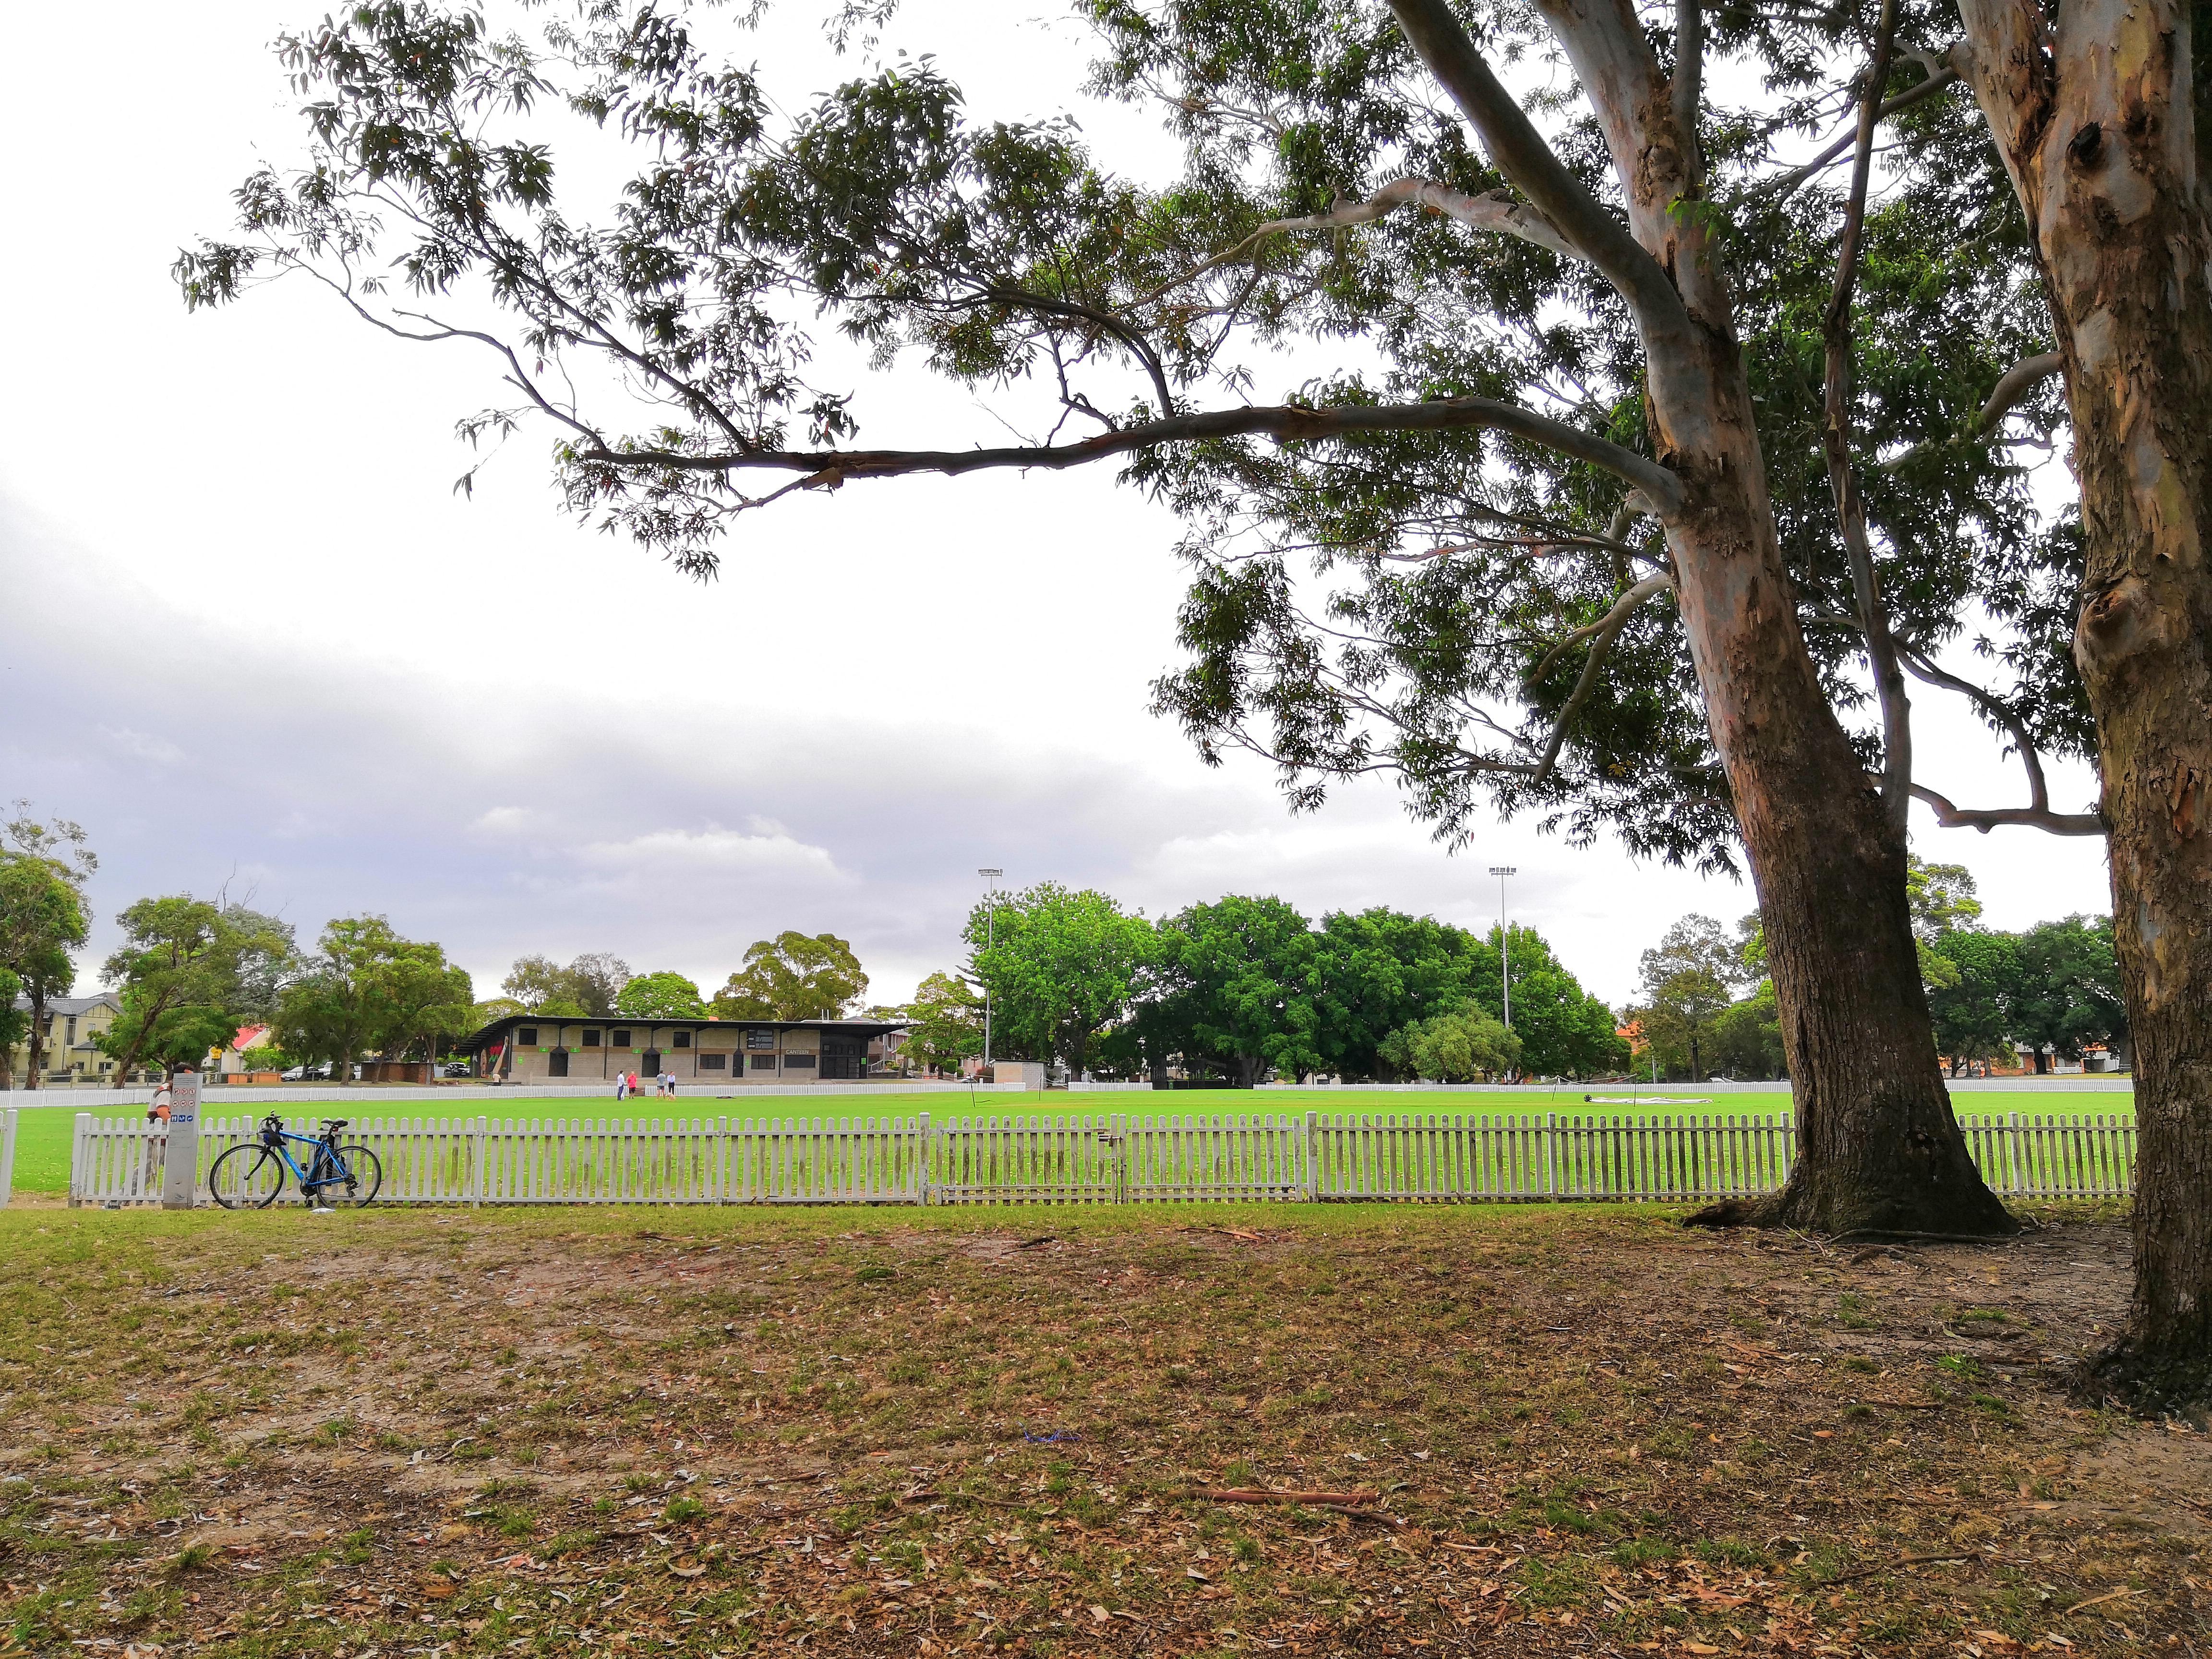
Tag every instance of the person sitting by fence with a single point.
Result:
(157, 1140)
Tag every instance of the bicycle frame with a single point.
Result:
(327, 1155)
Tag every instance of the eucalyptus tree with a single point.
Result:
(1591, 451)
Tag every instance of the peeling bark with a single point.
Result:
(2093, 114)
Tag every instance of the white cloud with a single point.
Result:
(140, 745)
(674, 853)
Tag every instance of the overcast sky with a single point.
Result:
(252, 635)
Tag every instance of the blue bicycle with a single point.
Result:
(251, 1174)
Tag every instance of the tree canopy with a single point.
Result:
(586, 988)
(664, 995)
(1059, 967)
(793, 976)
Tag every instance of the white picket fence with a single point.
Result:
(1104, 1158)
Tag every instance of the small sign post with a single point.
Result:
(180, 1169)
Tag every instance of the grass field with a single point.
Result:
(42, 1137)
(1555, 1432)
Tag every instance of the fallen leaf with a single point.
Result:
(1193, 1572)
(1100, 1616)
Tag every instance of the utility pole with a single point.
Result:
(1505, 961)
(990, 938)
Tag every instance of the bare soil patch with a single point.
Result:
(1564, 1431)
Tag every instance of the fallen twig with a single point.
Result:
(1891, 1566)
(2109, 1595)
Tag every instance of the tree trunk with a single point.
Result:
(2093, 115)
(1878, 1148)
(37, 1039)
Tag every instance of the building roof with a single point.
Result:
(74, 1005)
(498, 1028)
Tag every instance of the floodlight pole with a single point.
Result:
(990, 938)
(1505, 961)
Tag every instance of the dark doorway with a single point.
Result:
(556, 1063)
(650, 1063)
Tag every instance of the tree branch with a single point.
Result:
(1836, 443)
(2033, 817)
(1788, 183)
(1688, 89)
(1520, 153)
(1605, 630)
(2014, 386)
(830, 467)
(1493, 210)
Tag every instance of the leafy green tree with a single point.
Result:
(1975, 1015)
(587, 989)
(793, 976)
(13, 1025)
(1377, 970)
(1745, 1037)
(1465, 1044)
(2068, 993)
(1240, 973)
(944, 1022)
(1563, 1030)
(1607, 552)
(1686, 980)
(1941, 897)
(664, 995)
(367, 987)
(1058, 966)
(188, 966)
(43, 914)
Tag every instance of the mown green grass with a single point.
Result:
(42, 1151)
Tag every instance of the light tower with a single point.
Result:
(1505, 961)
(990, 938)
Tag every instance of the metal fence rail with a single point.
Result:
(1103, 1158)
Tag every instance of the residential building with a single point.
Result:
(71, 1053)
(538, 1048)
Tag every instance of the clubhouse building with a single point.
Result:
(536, 1048)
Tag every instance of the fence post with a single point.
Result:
(922, 1159)
(2016, 1145)
(477, 1139)
(79, 1135)
(1552, 1154)
(7, 1156)
(1313, 1157)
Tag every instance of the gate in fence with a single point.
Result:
(1107, 1158)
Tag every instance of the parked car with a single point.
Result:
(457, 1068)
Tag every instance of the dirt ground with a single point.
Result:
(1553, 1431)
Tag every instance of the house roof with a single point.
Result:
(74, 1005)
(498, 1029)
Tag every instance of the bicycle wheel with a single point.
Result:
(246, 1177)
(364, 1176)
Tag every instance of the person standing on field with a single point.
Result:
(621, 1085)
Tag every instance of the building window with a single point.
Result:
(803, 1062)
(759, 1038)
(763, 1062)
(712, 1063)
(684, 1039)
(591, 1037)
(527, 1037)
(622, 1039)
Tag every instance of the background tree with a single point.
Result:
(14, 1023)
(1562, 1031)
(1465, 1044)
(793, 976)
(945, 1022)
(1745, 1037)
(188, 966)
(43, 914)
(1974, 1011)
(664, 995)
(1377, 970)
(1512, 491)
(587, 989)
(1240, 974)
(1685, 981)
(2069, 994)
(365, 987)
(1059, 967)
